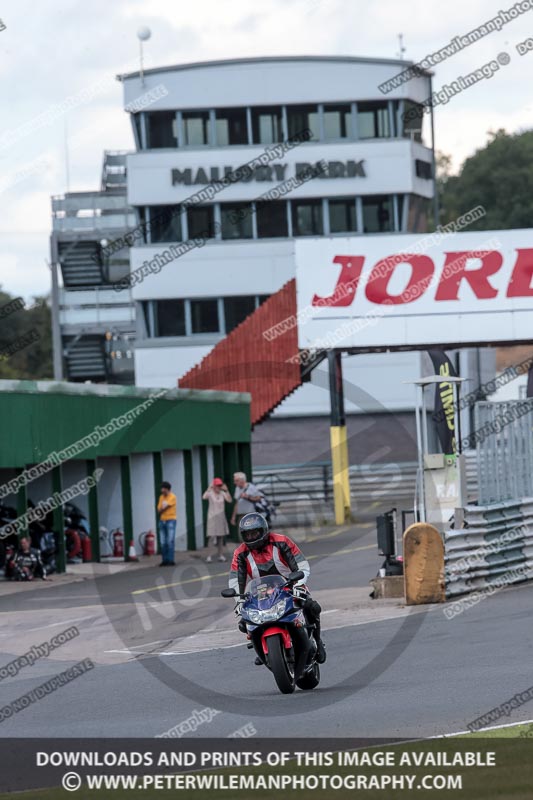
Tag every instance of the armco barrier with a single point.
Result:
(496, 549)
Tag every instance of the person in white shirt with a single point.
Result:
(246, 495)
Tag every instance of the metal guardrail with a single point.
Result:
(495, 550)
(303, 493)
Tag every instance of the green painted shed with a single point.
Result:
(55, 435)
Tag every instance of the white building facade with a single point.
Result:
(210, 118)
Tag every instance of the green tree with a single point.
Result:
(498, 177)
(34, 360)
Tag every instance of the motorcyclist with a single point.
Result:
(264, 553)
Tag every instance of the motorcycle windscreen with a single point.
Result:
(265, 591)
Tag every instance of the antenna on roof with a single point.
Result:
(67, 162)
(402, 48)
(143, 34)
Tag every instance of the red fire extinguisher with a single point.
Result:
(118, 543)
(86, 550)
(148, 543)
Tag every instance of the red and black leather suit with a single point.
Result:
(279, 556)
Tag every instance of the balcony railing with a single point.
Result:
(97, 223)
(82, 211)
(95, 307)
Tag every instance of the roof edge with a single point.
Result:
(271, 59)
(112, 390)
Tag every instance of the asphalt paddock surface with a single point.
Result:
(165, 648)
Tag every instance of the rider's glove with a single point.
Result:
(238, 606)
(300, 593)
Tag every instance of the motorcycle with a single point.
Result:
(76, 529)
(48, 547)
(279, 632)
(8, 544)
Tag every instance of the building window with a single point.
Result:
(136, 121)
(377, 214)
(185, 317)
(204, 316)
(141, 216)
(400, 212)
(195, 128)
(236, 309)
(165, 224)
(424, 169)
(266, 125)
(307, 217)
(342, 216)
(412, 120)
(200, 222)
(161, 129)
(338, 122)
(145, 305)
(231, 126)
(271, 218)
(170, 317)
(418, 214)
(373, 120)
(236, 220)
(302, 118)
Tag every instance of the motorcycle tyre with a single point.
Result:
(277, 661)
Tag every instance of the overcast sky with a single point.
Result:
(51, 50)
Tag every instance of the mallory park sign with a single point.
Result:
(270, 173)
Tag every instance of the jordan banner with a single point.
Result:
(444, 409)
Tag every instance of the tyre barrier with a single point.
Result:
(493, 551)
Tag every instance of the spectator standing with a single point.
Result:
(246, 495)
(217, 496)
(167, 524)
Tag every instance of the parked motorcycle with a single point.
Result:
(279, 632)
(9, 543)
(41, 535)
(48, 547)
(76, 531)
(44, 539)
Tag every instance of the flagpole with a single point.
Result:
(458, 440)
(420, 479)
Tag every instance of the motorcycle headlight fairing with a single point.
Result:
(258, 617)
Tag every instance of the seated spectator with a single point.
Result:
(26, 563)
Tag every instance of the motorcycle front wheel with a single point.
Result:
(282, 670)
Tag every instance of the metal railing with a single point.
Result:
(303, 493)
(504, 450)
(98, 305)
